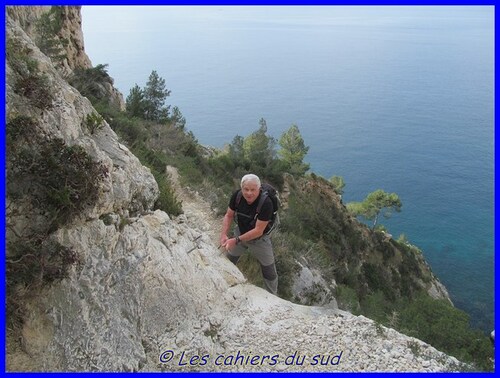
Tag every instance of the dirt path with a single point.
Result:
(197, 210)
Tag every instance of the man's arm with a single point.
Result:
(226, 224)
(254, 233)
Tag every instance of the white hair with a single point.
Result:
(250, 178)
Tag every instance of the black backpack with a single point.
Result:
(267, 190)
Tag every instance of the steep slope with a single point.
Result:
(141, 293)
(352, 254)
(145, 287)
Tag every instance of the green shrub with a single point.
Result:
(131, 130)
(190, 169)
(287, 248)
(35, 88)
(378, 278)
(167, 200)
(19, 128)
(90, 82)
(347, 299)
(446, 328)
(32, 264)
(28, 81)
(409, 268)
(19, 59)
(48, 26)
(60, 180)
(39, 259)
(155, 160)
(94, 122)
(376, 306)
(250, 268)
(338, 184)
(222, 166)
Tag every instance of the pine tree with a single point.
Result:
(47, 39)
(135, 102)
(374, 204)
(338, 183)
(177, 118)
(155, 94)
(293, 150)
(258, 147)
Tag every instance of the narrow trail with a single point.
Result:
(197, 210)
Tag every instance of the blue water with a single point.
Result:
(396, 98)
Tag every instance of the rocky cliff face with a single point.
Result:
(68, 37)
(152, 293)
(70, 32)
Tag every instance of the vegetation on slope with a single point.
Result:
(49, 184)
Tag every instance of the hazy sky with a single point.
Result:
(144, 16)
(105, 27)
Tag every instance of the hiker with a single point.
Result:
(251, 231)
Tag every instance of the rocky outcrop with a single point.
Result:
(27, 17)
(69, 34)
(130, 187)
(69, 37)
(152, 293)
(158, 296)
(71, 31)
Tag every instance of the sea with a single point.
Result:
(399, 98)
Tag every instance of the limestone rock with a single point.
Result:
(309, 287)
(130, 186)
(140, 297)
(70, 32)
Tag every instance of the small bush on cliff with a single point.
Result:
(35, 262)
(59, 180)
(167, 200)
(90, 82)
(28, 81)
(93, 122)
(347, 299)
(53, 184)
(47, 40)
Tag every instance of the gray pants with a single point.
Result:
(262, 250)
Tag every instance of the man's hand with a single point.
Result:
(226, 223)
(229, 244)
(223, 239)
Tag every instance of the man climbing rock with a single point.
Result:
(253, 211)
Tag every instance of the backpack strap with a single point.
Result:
(236, 203)
(263, 196)
(238, 199)
(272, 223)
